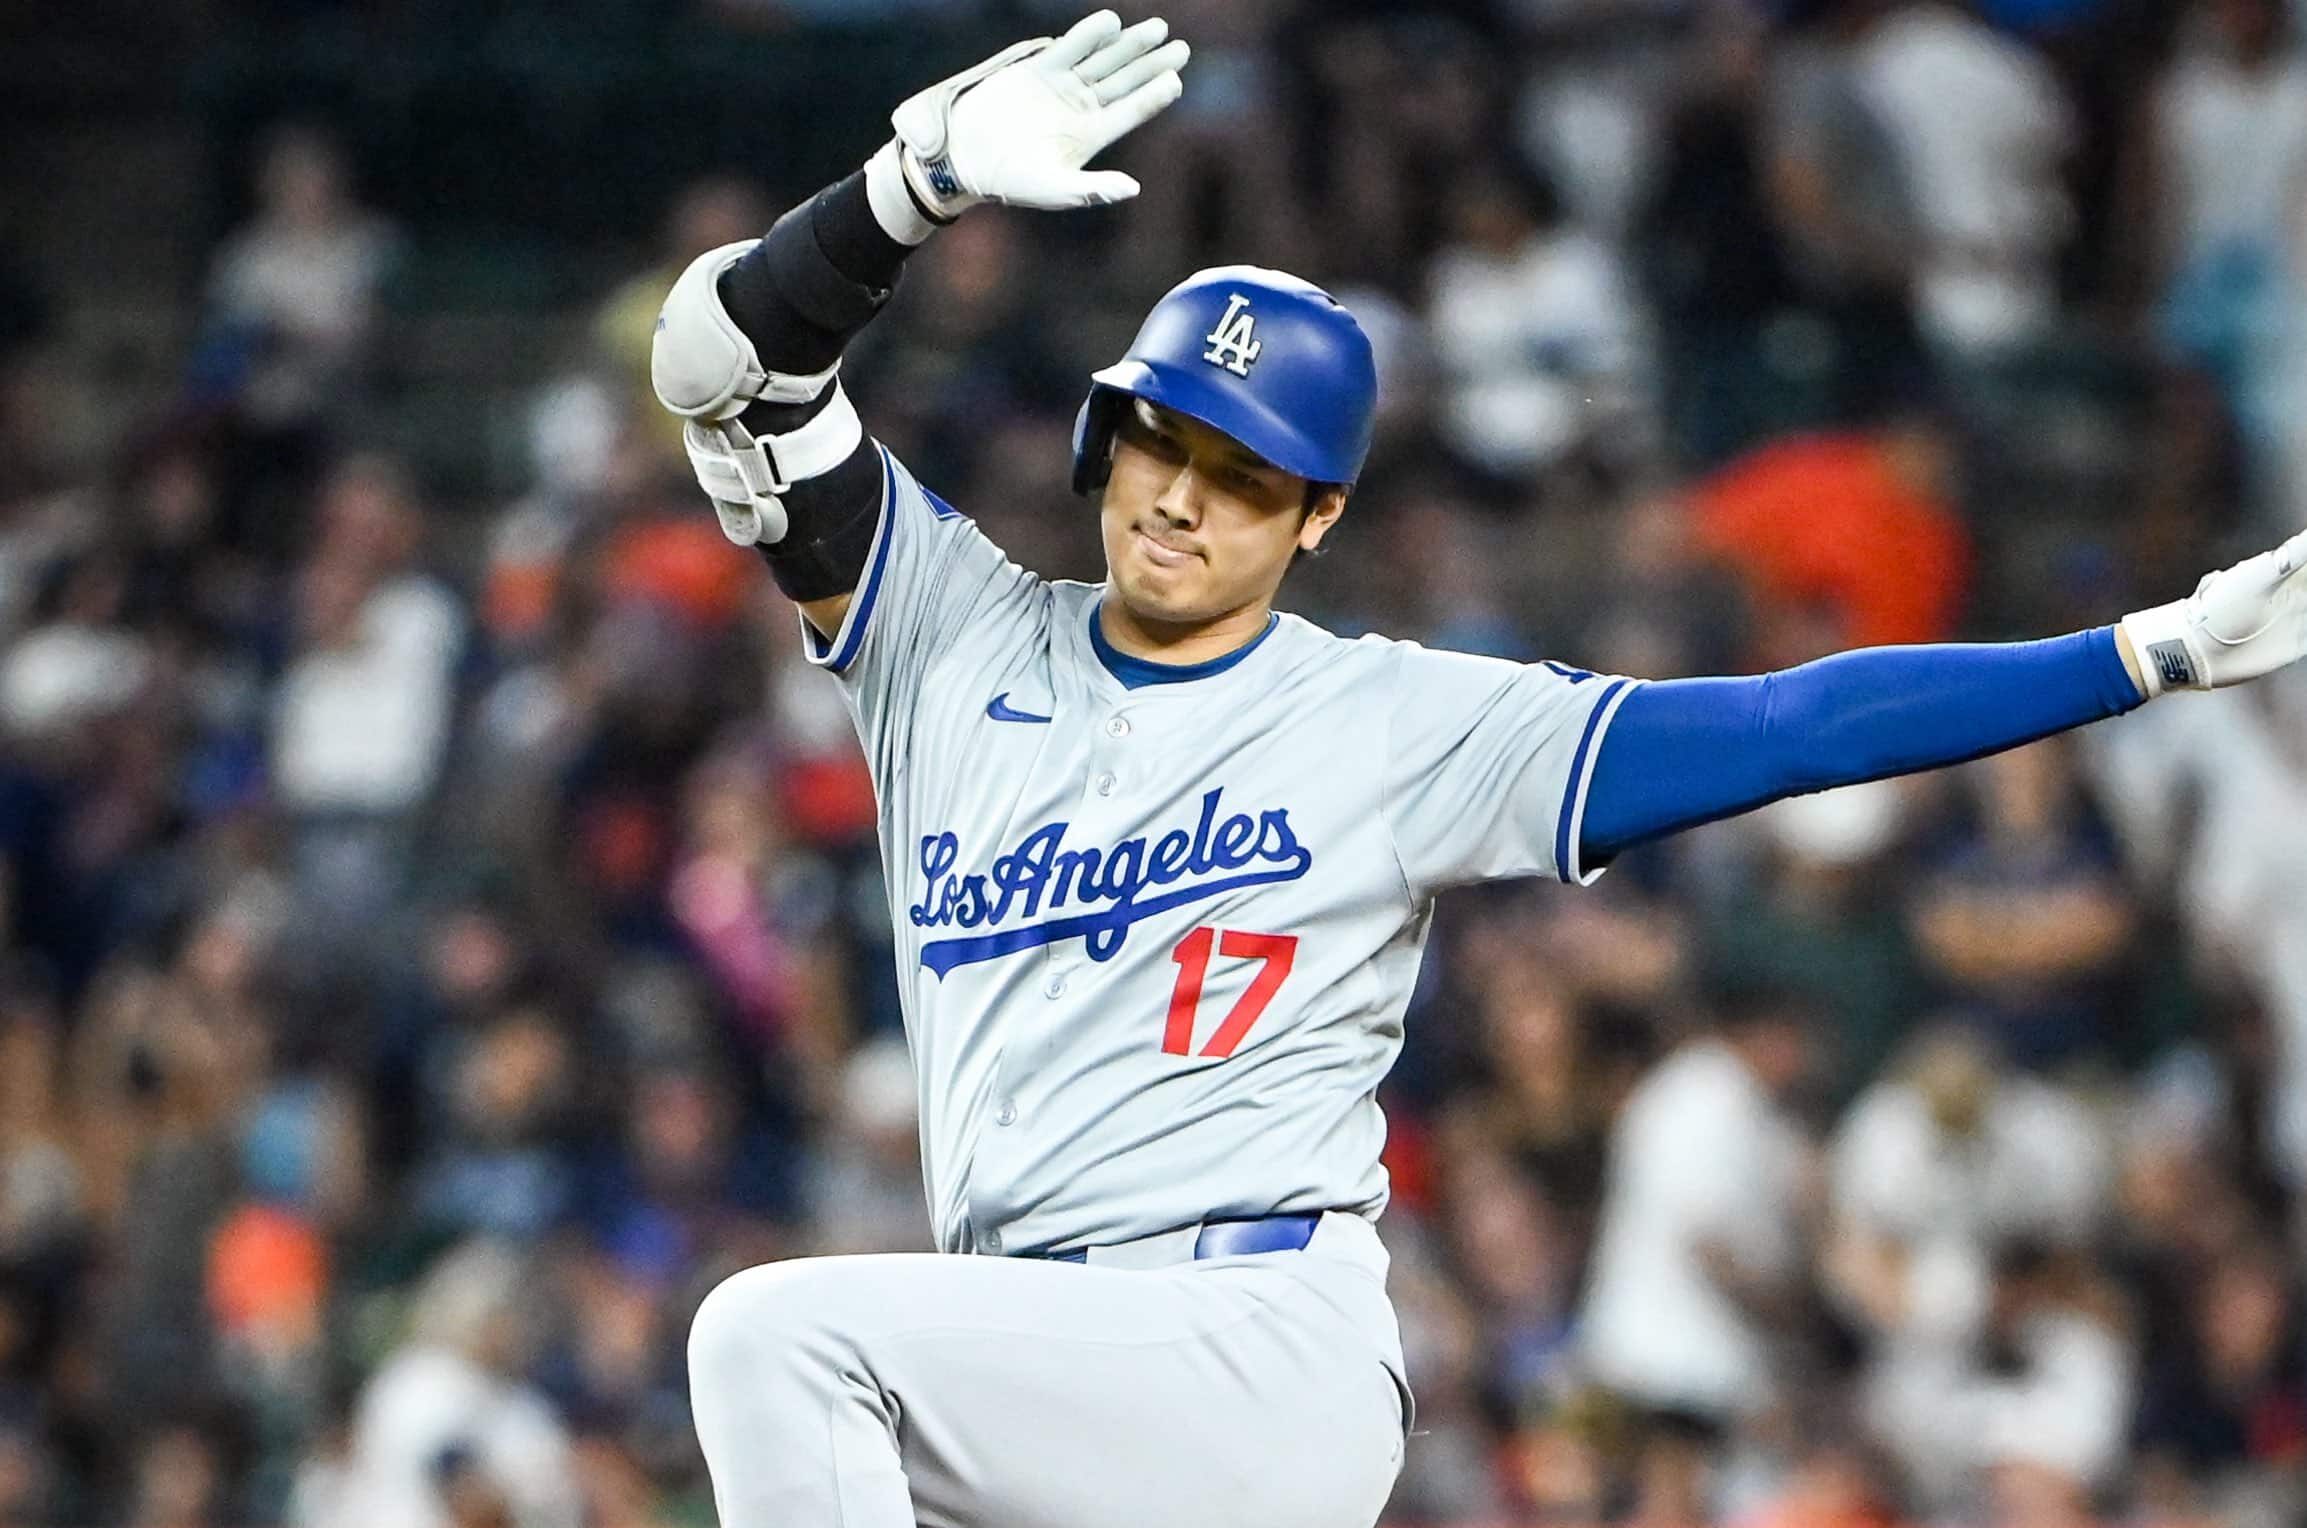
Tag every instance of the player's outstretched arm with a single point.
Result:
(1689, 751)
(748, 346)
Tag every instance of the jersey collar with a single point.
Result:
(1135, 673)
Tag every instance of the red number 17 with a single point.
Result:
(1193, 957)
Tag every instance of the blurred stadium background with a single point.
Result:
(442, 930)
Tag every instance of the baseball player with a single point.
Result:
(1162, 860)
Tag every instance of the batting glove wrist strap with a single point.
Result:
(1019, 127)
(2240, 623)
(897, 207)
(746, 475)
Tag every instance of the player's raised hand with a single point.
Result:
(1021, 127)
(2240, 623)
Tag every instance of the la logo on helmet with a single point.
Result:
(1234, 343)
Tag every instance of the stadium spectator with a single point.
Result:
(2026, 924)
(293, 294)
(1808, 914)
(1953, 1148)
(447, 1435)
(1536, 333)
(2222, 1397)
(497, 1164)
(1985, 178)
(1841, 539)
(2225, 140)
(1844, 202)
(1697, 1260)
(361, 721)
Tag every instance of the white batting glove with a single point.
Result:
(1019, 127)
(2248, 620)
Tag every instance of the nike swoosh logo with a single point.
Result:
(1001, 710)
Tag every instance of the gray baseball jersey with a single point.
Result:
(1156, 939)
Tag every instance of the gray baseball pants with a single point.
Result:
(991, 1392)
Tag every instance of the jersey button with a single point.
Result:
(1006, 1114)
(1105, 784)
(1055, 986)
(1117, 726)
(991, 1241)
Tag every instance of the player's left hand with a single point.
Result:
(1019, 127)
(2240, 623)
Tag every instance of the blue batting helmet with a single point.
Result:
(1275, 362)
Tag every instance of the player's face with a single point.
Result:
(1196, 525)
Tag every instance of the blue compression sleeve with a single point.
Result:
(1686, 751)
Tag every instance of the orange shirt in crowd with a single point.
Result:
(267, 1268)
(1848, 523)
(681, 562)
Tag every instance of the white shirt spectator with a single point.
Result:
(65, 673)
(1536, 348)
(317, 284)
(427, 1402)
(2035, 1165)
(302, 278)
(1982, 127)
(2232, 143)
(1701, 1156)
(2067, 1408)
(361, 725)
(2230, 146)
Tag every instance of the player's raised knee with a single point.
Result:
(770, 1315)
(747, 1317)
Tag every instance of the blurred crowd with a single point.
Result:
(440, 938)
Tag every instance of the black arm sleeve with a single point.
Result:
(801, 295)
(820, 275)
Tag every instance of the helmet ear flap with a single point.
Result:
(1093, 431)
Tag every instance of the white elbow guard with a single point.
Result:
(706, 370)
(702, 364)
